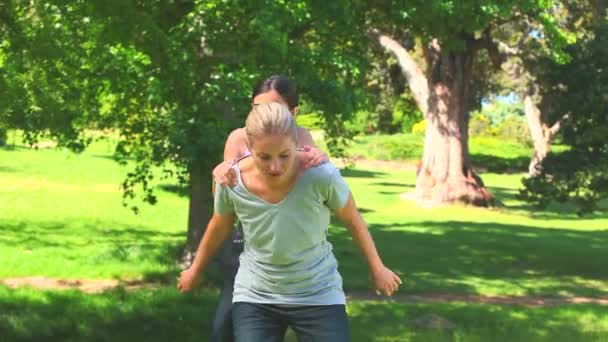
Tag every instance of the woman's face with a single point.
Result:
(274, 155)
(273, 96)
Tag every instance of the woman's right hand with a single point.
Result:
(385, 281)
(224, 174)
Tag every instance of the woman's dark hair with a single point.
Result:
(282, 85)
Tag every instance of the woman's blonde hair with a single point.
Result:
(270, 118)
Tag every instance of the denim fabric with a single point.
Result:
(254, 322)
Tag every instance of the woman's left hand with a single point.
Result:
(188, 280)
(311, 156)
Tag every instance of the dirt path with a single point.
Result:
(84, 285)
(530, 301)
(100, 285)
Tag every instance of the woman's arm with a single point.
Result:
(384, 279)
(235, 147)
(218, 230)
(305, 138)
(308, 153)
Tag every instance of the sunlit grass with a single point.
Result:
(61, 216)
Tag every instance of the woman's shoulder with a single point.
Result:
(244, 165)
(238, 135)
(322, 173)
(238, 132)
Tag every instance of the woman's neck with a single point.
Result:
(286, 181)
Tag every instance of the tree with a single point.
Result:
(577, 89)
(171, 77)
(531, 57)
(452, 35)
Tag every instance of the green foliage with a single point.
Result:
(512, 128)
(405, 113)
(419, 127)
(3, 134)
(173, 77)
(388, 147)
(501, 119)
(579, 90)
(450, 21)
(498, 111)
(310, 121)
(361, 124)
(400, 118)
(480, 125)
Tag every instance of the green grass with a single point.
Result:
(61, 216)
(163, 315)
(512, 250)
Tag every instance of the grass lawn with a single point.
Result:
(61, 216)
(163, 315)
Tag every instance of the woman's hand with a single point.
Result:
(311, 156)
(224, 174)
(385, 281)
(188, 281)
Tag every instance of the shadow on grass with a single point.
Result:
(11, 148)
(458, 256)
(497, 164)
(164, 315)
(557, 211)
(393, 322)
(180, 190)
(356, 173)
(100, 242)
(394, 184)
(8, 169)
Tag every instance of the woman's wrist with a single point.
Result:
(376, 267)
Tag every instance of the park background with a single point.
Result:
(472, 134)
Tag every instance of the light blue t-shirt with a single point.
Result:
(287, 258)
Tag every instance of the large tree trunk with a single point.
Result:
(199, 211)
(445, 174)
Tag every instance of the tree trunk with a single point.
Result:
(445, 173)
(541, 134)
(199, 211)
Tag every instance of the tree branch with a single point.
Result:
(416, 80)
(513, 51)
(558, 124)
(486, 42)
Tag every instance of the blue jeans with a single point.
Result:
(254, 322)
(221, 326)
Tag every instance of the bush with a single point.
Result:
(405, 113)
(511, 128)
(388, 147)
(3, 135)
(480, 125)
(514, 129)
(362, 123)
(310, 121)
(419, 127)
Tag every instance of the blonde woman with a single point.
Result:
(276, 88)
(288, 274)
